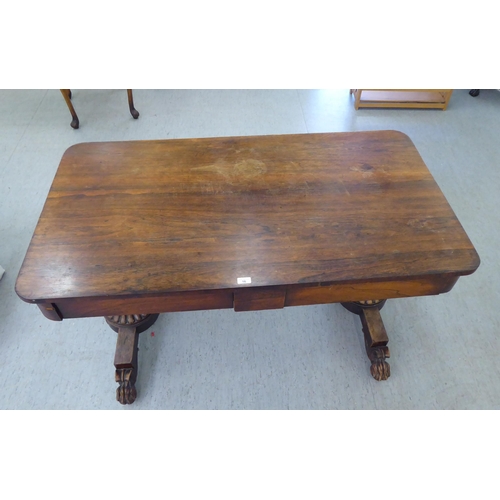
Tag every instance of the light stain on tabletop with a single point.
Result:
(241, 170)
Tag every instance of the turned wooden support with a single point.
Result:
(375, 335)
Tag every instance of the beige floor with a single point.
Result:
(444, 349)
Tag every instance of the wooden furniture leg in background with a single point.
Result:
(357, 96)
(401, 98)
(376, 338)
(76, 123)
(133, 111)
(67, 97)
(126, 362)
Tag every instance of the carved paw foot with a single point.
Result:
(380, 368)
(126, 391)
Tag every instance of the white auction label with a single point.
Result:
(244, 281)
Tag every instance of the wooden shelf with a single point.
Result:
(401, 98)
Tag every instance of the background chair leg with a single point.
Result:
(66, 93)
(133, 111)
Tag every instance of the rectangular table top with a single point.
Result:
(139, 217)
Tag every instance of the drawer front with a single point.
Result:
(172, 302)
(258, 299)
(297, 295)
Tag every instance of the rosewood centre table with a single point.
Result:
(133, 229)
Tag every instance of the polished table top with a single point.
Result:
(155, 217)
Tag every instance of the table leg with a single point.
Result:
(376, 338)
(126, 362)
(133, 111)
(66, 93)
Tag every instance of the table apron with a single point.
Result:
(246, 299)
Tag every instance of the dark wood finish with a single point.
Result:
(172, 302)
(257, 299)
(377, 350)
(126, 364)
(300, 295)
(156, 217)
(126, 354)
(375, 335)
(141, 322)
(357, 307)
(174, 225)
(296, 295)
(50, 311)
(75, 123)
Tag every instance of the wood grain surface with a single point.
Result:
(127, 219)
